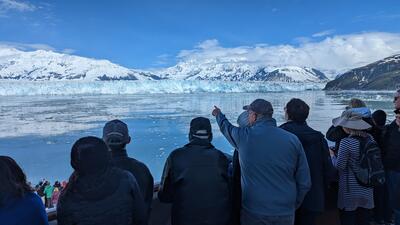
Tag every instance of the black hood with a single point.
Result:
(93, 177)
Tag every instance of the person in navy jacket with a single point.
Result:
(19, 205)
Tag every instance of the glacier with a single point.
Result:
(66, 87)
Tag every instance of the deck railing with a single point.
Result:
(160, 213)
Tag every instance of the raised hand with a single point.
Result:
(216, 111)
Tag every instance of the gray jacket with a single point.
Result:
(275, 174)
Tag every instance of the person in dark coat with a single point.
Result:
(19, 204)
(382, 210)
(98, 193)
(242, 121)
(195, 180)
(391, 159)
(319, 162)
(116, 136)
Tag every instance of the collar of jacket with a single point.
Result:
(267, 121)
(291, 122)
(200, 142)
(119, 153)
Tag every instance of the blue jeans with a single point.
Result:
(251, 219)
(393, 182)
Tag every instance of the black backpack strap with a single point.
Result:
(363, 141)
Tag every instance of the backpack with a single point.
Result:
(368, 169)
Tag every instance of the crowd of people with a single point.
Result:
(49, 193)
(278, 174)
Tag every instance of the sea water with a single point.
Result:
(39, 130)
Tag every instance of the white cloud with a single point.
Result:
(33, 47)
(26, 46)
(303, 40)
(13, 5)
(68, 51)
(163, 59)
(332, 55)
(377, 16)
(324, 33)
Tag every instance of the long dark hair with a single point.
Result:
(13, 182)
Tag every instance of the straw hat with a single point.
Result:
(352, 120)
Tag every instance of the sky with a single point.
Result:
(161, 33)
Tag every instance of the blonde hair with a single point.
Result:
(360, 133)
(356, 103)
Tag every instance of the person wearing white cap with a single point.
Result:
(354, 200)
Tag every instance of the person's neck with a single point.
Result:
(119, 152)
(201, 142)
(269, 120)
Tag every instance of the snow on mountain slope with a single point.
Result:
(380, 75)
(238, 71)
(48, 65)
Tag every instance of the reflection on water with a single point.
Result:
(38, 131)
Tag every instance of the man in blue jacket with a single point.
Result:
(274, 172)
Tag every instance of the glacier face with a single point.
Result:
(68, 87)
(47, 65)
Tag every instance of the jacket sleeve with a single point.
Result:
(329, 170)
(63, 216)
(335, 134)
(303, 178)
(165, 194)
(40, 212)
(232, 134)
(139, 213)
(149, 194)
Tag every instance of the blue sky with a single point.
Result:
(148, 34)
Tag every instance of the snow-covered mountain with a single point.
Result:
(238, 71)
(48, 65)
(380, 75)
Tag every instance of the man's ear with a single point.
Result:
(129, 141)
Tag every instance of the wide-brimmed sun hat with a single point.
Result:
(352, 120)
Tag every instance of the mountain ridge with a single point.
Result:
(383, 74)
(48, 65)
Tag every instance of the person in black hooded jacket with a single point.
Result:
(98, 193)
(319, 161)
(195, 180)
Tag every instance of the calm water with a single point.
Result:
(38, 131)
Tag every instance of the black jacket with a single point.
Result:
(236, 187)
(391, 147)
(107, 199)
(140, 172)
(319, 162)
(195, 180)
